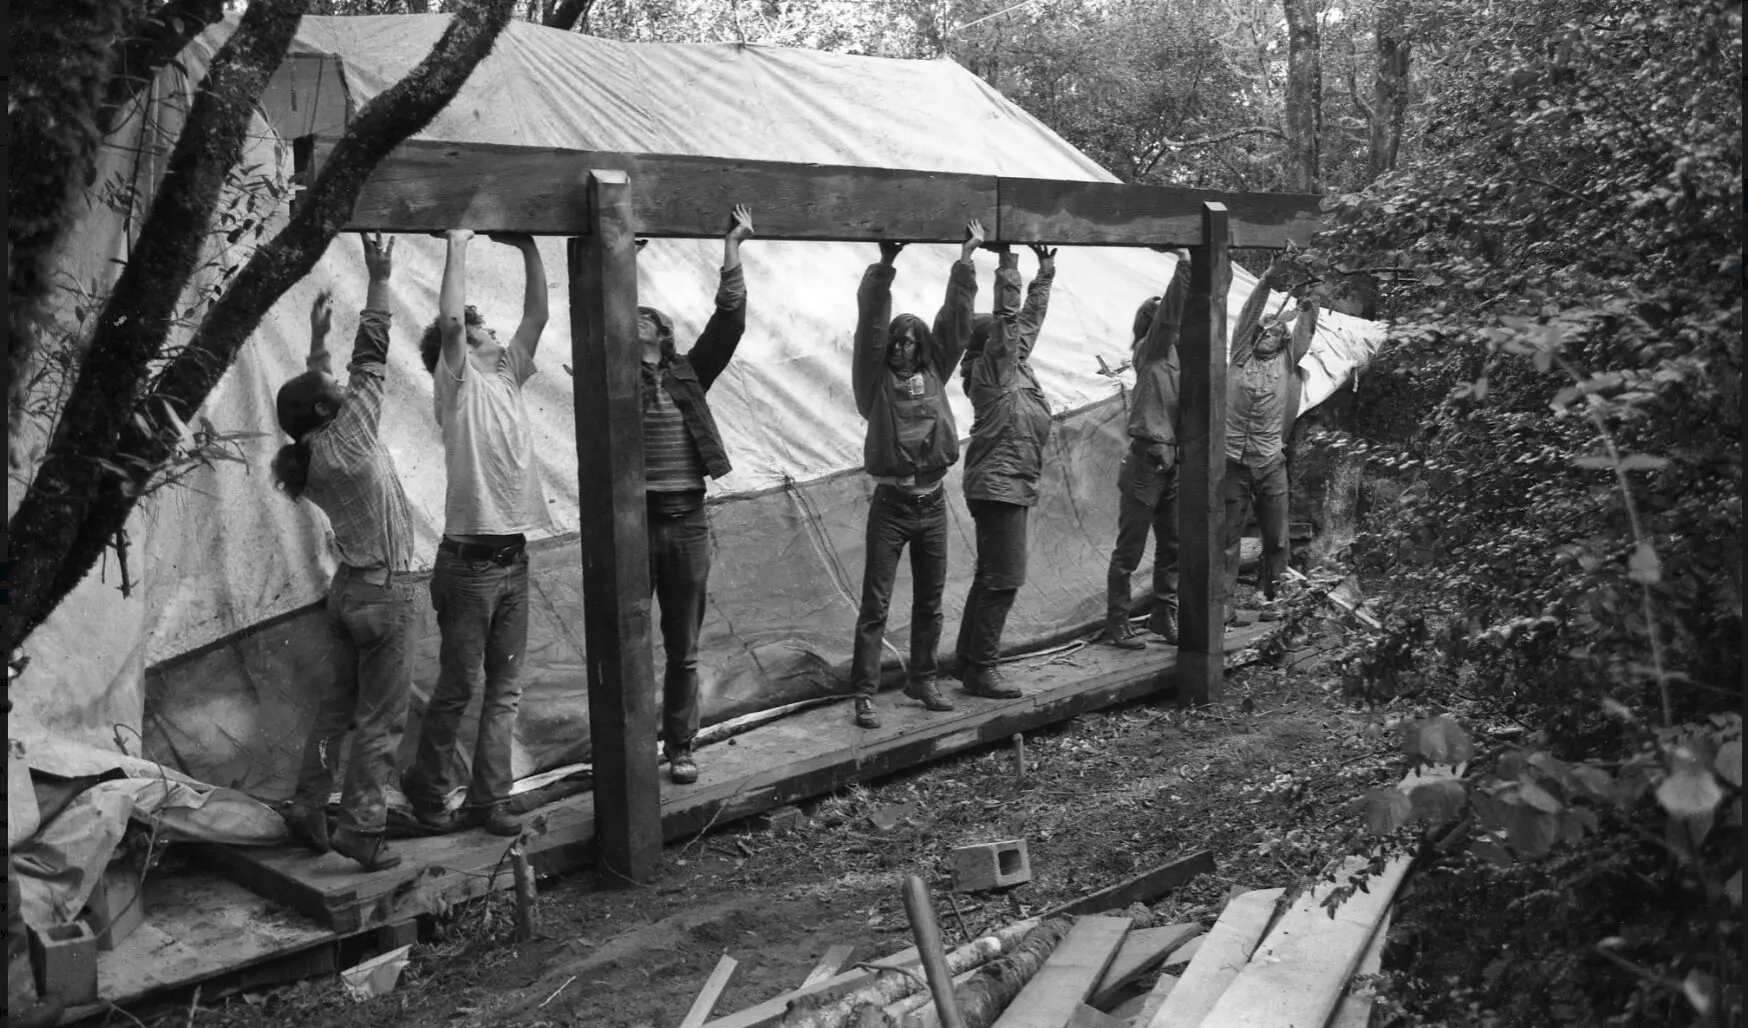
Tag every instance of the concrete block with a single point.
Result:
(65, 957)
(991, 865)
(117, 906)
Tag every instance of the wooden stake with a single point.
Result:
(928, 943)
(615, 534)
(712, 991)
(1019, 755)
(525, 895)
(1201, 505)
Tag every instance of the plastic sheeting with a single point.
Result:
(217, 657)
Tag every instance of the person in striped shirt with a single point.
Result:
(337, 462)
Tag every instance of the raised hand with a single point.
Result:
(742, 229)
(322, 314)
(1044, 254)
(458, 235)
(974, 237)
(889, 251)
(519, 240)
(378, 259)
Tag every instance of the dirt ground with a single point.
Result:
(1258, 781)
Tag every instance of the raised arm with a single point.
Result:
(534, 313)
(1303, 329)
(715, 347)
(452, 301)
(364, 389)
(953, 321)
(321, 320)
(1168, 316)
(1002, 352)
(873, 323)
(1250, 316)
(1031, 318)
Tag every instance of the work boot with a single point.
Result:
(1234, 619)
(1121, 634)
(866, 715)
(1163, 623)
(495, 819)
(922, 689)
(682, 769)
(438, 819)
(308, 825)
(368, 848)
(987, 681)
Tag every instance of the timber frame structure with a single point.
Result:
(604, 202)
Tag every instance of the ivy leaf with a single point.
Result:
(1386, 811)
(1438, 801)
(1700, 990)
(1690, 794)
(1491, 852)
(1733, 888)
(1538, 797)
(1729, 762)
(1643, 566)
(1531, 832)
(1438, 740)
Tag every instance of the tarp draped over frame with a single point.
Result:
(216, 657)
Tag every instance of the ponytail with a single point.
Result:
(291, 468)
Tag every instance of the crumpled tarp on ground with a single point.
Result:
(217, 656)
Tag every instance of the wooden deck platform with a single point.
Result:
(807, 754)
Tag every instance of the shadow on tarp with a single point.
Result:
(784, 592)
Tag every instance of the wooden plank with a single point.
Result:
(1068, 976)
(1155, 998)
(813, 752)
(424, 186)
(1355, 1008)
(1142, 951)
(773, 1009)
(710, 993)
(614, 533)
(1224, 951)
(1143, 888)
(1093, 213)
(1298, 973)
(1201, 507)
(1086, 1016)
(829, 964)
(428, 186)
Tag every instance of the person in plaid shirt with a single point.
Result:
(337, 462)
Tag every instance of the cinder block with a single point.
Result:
(991, 865)
(66, 963)
(117, 906)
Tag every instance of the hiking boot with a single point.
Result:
(1235, 619)
(866, 715)
(1123, 636)
(308, 826)
(988, 683)
(682, 769)
(923, 689)
(368, 848)
(1163, 623)
(495, 819)
(438, 819)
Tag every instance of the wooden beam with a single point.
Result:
(1143, 888)
(426, 186)
(1069, 976)
(1144, 950)
(614, 533)
(710, 993)
(1225, 950)
(1109, 213)
(1201, 507)
(829, 964)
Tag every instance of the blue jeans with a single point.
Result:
(1149, 503)
(679, 575)
(1264, 490)
(1001, 570)
(482, 611)
(370, 632)
(895, 519)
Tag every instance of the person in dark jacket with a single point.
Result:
(1004, 462)
(1263, 385)
(681, 445)
(1147, 481)
(899, 374)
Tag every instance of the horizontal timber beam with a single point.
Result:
(426, 186)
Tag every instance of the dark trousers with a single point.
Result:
(1148, 503)
(370, 633)
(1001, 570)
(482, 612)
(1263, 490)
(895, 519)
(679, 575)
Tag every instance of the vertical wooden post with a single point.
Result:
(1201, 509)
(615, 533)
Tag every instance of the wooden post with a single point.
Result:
(615, 534)
(1201, 508)
(927, 932)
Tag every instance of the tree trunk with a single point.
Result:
(1390, 89)
(1304, 98)
(158, 38)
(64, 523)
(568, 13)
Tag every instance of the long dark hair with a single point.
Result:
(291, 468)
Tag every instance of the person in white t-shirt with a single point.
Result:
(479, 585)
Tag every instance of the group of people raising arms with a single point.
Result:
(902, 368)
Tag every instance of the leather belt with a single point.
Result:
(504, 554)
